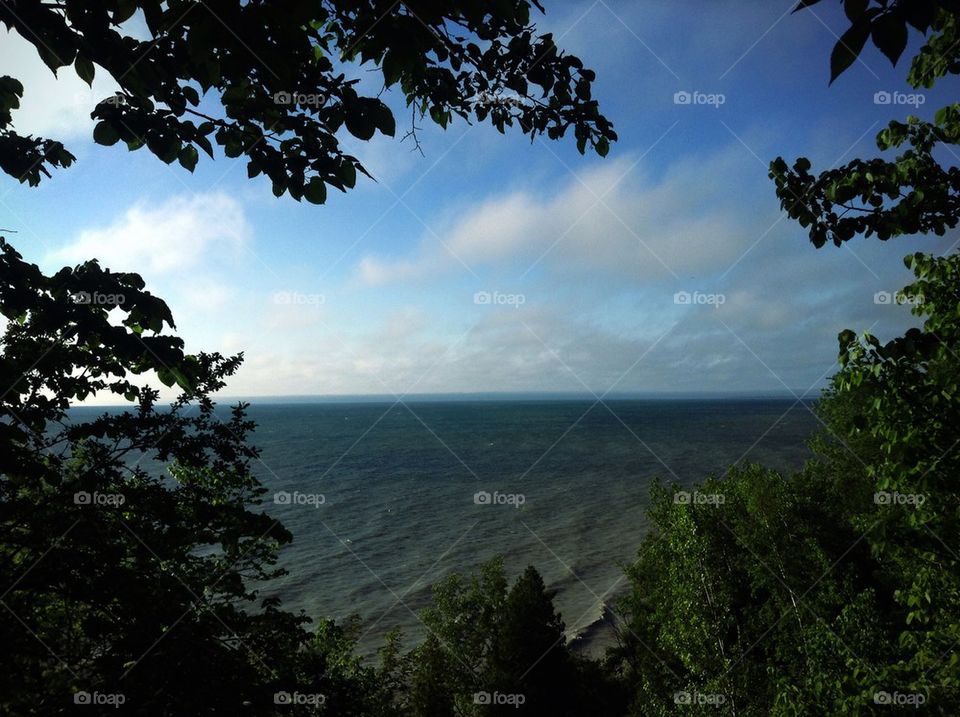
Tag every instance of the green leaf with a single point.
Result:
(125, 10)
(385, 121)
(392, 69)
(105, 134)
(890, 36)
(192, 96)
(439, 116)
(188, 157)
(848, 48)
(348, 174)
(855, 8)
(166, 147)
(360, 125)
(315, 191)
(182, 380)
(205, 145)
(85, 69)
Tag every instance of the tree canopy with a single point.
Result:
(276, 83)
(918, 191)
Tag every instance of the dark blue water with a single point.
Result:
(568, 480)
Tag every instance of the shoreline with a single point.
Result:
(597, 637)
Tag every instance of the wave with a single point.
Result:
(599, 634)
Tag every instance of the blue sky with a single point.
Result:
(376, 291)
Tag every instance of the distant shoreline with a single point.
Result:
(526, 396)
(387, 399)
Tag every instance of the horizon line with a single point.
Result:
(451, 396)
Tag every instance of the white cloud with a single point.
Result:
(288, 311)
(610, 220)
(208, 295)
(374, 270)
(53, 106)
(164, 237)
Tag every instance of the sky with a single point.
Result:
(495, 264)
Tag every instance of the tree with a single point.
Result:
(431, 692)
(892, 408)
(74, 512)
(911, 416)
(529, 655)
(461, 621)
(737, 606)
(914, 192)
(273, 83)
(121, 579)
(494, 651)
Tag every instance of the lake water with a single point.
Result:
(384, 498)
